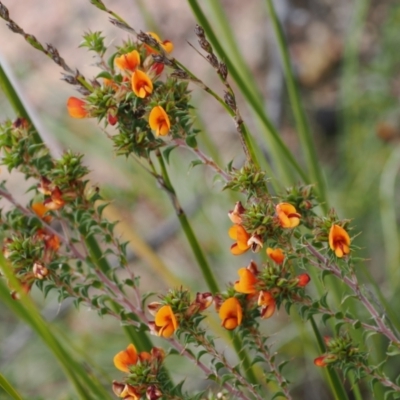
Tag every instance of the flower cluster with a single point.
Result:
(130, 94)
(143, 371)
(177, 310)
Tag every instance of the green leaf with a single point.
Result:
(191, 141)
(167, 152)
(393, 350)
(325, 318)
(104, 74)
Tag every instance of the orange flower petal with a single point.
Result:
(166, 321)
(276, 255)
(246, 283)
(40, 210)
(129, 61)
(124, 359)
(231, 313)
(267, 303)
(339, 241)
(159, 121)
(142, 85)
(287, 215)
(76, 108)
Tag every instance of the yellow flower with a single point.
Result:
(238, 233)
(77, 108)
(129, 61)
(159, 121)
(339, 241)
(276, 255)
(287, 215)
(231, 313)
(166, 322)
(142, 85)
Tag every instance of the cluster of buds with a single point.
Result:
(176, 310)
(143, 373)
(339, 351)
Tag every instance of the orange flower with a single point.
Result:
(124, 359)
(142, 85)
(167, 45)
(40, 210)
(166, 322)
(276, 255)
(231, 313)
(247, 282)
(129, 61)
(126, 391)
(238, 233)
(303, 280)
(267, 303)
(287, 215)
(339, 241)
(159, 121)
(77, 108)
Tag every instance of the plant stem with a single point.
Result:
(324, 264)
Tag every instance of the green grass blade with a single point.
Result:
(254, 101)
(86, 386)
(303, 128)
(9, 388)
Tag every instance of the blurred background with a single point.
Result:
(346, 58)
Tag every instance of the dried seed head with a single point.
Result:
(223, 71)
(230, 100)
(69, 79)
(4, 12)
(15, 28)
(148, 39)
(180, 74)
(213, 60)
(205, 45)
(199, 31)
(159, 58)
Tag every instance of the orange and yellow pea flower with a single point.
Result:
(238, 233)
(129, 61)
(166, 322)
(287, 215)
(40, 210)
(124, 359)
(247, 282)
(339, 241)
(231, 313)
(276, 255)
(77, 108)
(303, 280)
(142, 85)
(159, 121)
(267, 303)
(126, 391)
(167, 45)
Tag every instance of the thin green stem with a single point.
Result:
(202, 261)
(335, 383)
(303, 128)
